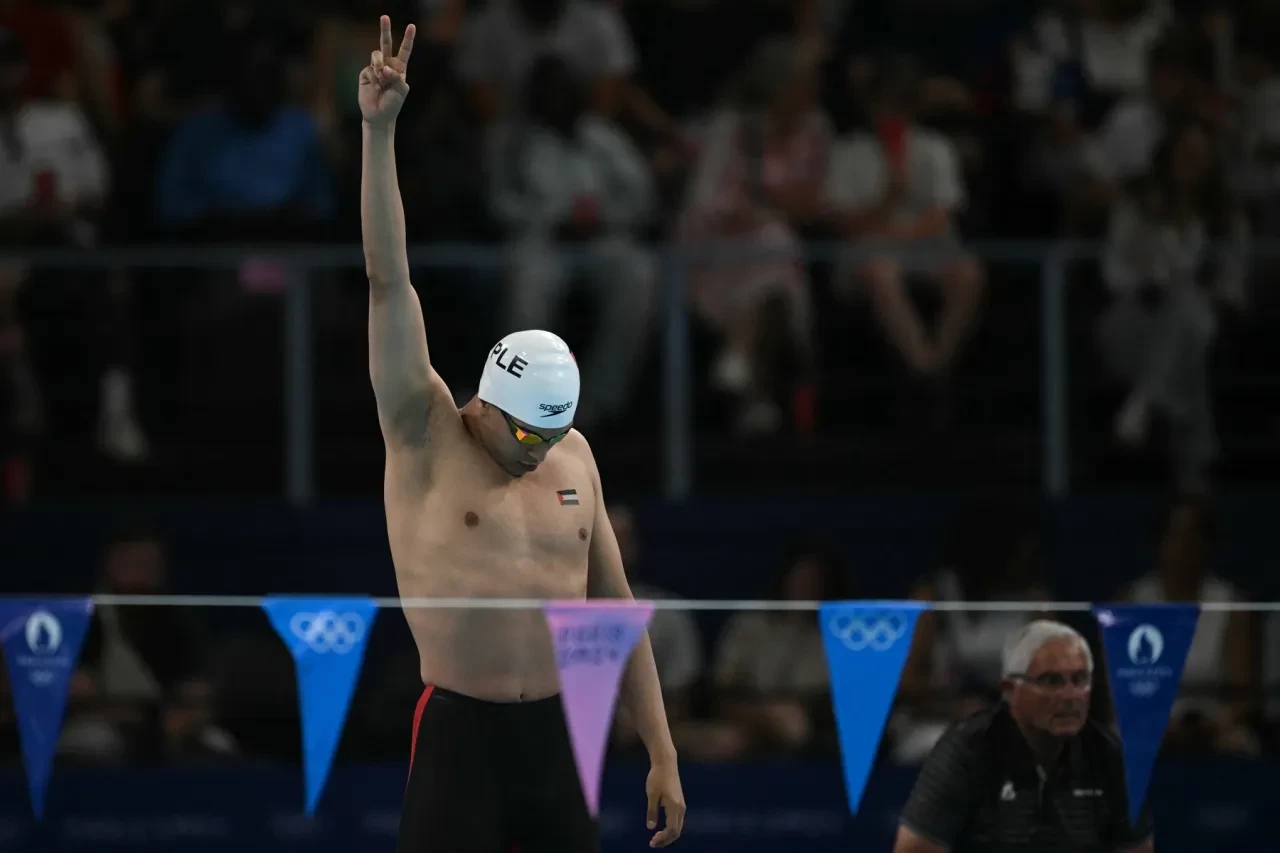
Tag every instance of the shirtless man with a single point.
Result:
(500, 498)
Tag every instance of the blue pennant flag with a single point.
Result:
(867, 645)
(326, 637)
(1146, 647)
(42, 641)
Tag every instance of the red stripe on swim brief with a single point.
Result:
(417, 720)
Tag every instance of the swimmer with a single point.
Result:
(499, 498)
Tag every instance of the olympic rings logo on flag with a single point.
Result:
(868, 631)
(328, 631)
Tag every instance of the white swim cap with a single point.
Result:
(533, 377)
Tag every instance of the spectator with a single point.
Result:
(899, 188)
(771, 669)
(52, 191)
(565, 177)
(758, 180)
(143, 665)
(1177, 237)
(1123, 148)
(1093, 54)
(1221, 669)
(502, 42)
(250, 164)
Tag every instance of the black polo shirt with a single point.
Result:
(980, 790)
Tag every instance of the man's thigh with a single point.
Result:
(451, 800)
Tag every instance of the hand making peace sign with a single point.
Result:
(382, 83)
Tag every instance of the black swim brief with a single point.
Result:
(492, 777)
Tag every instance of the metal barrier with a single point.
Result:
(678, 443)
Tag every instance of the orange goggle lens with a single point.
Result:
(531, 439)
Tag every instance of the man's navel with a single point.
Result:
(471, 519)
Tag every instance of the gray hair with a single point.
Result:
(1030, 638)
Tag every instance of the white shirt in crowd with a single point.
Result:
(536, 175)
(498, 49)
(858, 175)
(51, 139)
(1124, 147)
(1113, 57)
(1141, 251)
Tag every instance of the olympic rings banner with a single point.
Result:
(867, 645)
(326, 637)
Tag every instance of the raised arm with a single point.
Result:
(404, 383)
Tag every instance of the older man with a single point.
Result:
(1033, 773)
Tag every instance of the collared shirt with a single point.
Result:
(981, 790)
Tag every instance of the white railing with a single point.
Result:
(687, 604)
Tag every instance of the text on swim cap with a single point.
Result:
(553, 409)
(517, 365)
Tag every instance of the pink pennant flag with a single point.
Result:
(593, 640)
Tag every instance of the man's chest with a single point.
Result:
(550, 518)
(1071, 816)
(525, 538)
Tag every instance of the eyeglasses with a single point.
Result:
(1080, 679)
(530, 439)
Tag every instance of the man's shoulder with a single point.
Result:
(578, 444)
(979, 734)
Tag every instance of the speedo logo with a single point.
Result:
(550, 410)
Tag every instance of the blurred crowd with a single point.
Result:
(163, 685)
(899, 131)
